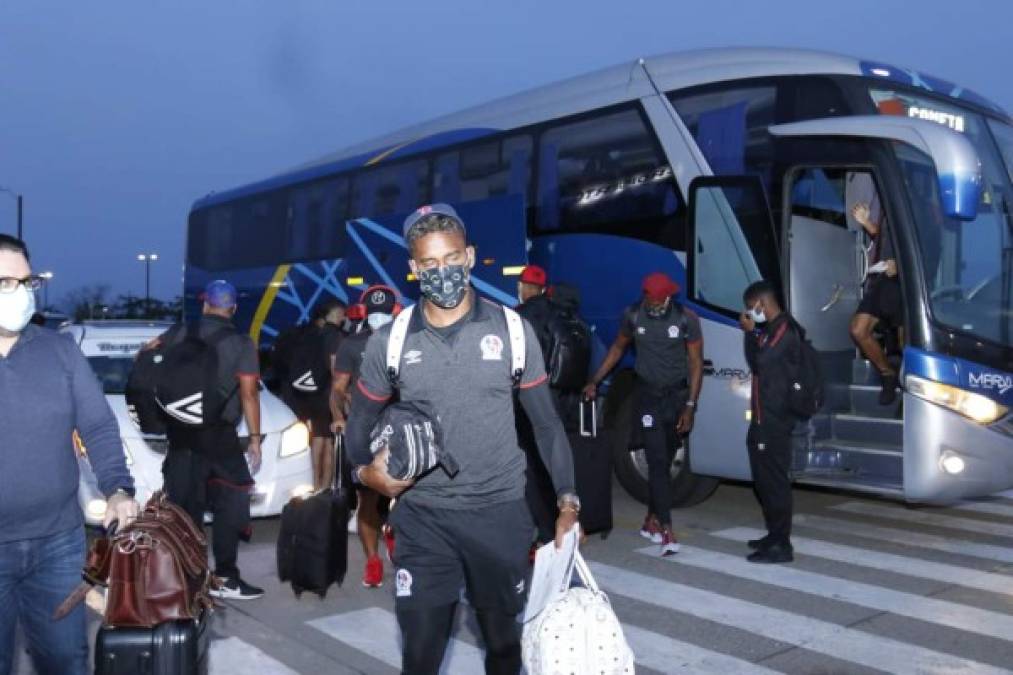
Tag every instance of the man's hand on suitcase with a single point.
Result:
(121, 507)
(376, 477)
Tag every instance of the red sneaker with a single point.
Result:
(669, 544)
(388, 540)
(373, 578)
(651, 529)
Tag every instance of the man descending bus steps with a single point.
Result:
(464, 356)
(774, 353)
(669, 370)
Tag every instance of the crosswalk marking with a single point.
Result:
(931, 610)
(926, 518)
(888, 562)
(837, 526)
(231, 656)
(1008, 494)
(667, 655)
(841, 642)
(375, 632)
(993, 508)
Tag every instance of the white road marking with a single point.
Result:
(847, 644)
(667, 655)
(888, 562)
(375, 632)
(232, 656)
(922, 517)
(935, 542)
(993, 508)
(931, 610)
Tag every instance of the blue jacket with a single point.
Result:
(47, 390)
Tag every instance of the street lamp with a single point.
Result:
(47, 277)
(147, 259)
(20, 200)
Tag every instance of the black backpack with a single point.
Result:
(176, 384)
(307, 369)
(568, 357)
(807, 395)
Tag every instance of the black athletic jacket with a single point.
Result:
(773, 354)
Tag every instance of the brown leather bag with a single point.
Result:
(155, 568)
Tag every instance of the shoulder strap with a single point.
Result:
(518, 347)
(395, 344)
(683, 319)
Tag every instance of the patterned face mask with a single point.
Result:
(444, 286)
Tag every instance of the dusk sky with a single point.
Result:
(115, 116)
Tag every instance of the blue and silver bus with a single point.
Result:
(718, 167)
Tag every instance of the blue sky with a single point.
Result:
(115, 115)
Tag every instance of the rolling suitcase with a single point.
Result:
(170, 648)
(313, 542)
(592, 471)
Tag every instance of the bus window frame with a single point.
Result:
(748, 182)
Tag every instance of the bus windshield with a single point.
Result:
(968, 264)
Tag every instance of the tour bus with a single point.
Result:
(719, 167)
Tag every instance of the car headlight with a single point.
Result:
(294, 440)
(979, 408)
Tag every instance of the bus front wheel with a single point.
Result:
(688, 488)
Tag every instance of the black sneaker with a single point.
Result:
(773, 554)
(888, 394)
(237, 589)
(763, 542)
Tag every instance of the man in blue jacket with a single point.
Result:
(47, 391)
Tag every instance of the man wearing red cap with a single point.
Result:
(669, 371)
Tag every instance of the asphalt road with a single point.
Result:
(876, 587)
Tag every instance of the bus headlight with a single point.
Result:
(951, 462)
(294, 440)
(979, 408)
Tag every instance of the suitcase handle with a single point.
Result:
(593, 431)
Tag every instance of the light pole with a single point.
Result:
(47, 278)
(21, 204)
(147, 259)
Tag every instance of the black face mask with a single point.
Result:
(444, 286)
(656, 311)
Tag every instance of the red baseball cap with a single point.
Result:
(659, 286)
(533, 274)
(356, 312)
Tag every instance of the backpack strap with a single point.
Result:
(395, 344)
(518, 346)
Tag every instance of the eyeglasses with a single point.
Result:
(10, 284)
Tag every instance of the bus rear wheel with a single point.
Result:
(688, 488)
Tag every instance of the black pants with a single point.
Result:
(207, 471)
(770, 461)
(538, 491)
(655, 416)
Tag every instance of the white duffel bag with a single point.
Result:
(577, 633)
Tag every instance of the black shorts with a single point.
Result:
(439, 552)
(882, 300)
(315, 412)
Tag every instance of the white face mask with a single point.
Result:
(16, 309)
(378, 320)
(758, 315)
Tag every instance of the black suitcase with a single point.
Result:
(171, 648)
(592, 471)
(313, 542)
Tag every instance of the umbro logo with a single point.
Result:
(189, 410)
(305, 382)
(413, 357)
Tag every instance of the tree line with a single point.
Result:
(96, 302)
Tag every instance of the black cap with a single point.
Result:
(430, 209)
(379, 299)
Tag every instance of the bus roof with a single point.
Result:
(609, 86)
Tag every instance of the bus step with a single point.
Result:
(880, 431)
(853, 459)
(865, 402)
(854, 483)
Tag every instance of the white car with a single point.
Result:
(110, 346)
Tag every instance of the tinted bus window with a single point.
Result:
(248, 233)
(492, 169)
(608, 175)
(730, 127)
(399, 188)
(316, 220)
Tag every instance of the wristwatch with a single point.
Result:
(568, 499)
(130, 492)
(691, 404)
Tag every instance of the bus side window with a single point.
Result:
(489, 169)
(608, 175)
(316, 219)
(398, 188)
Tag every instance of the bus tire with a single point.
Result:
(688, 488)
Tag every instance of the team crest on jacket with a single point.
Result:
(673, 332)
(492, 348)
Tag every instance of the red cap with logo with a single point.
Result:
(659, 286)
(533, 274)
